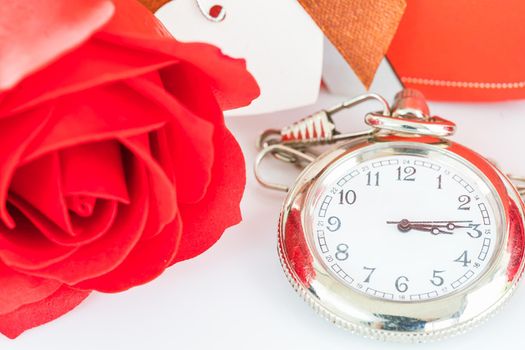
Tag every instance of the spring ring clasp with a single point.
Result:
(410, 116)
(291, 144)
(318, 128)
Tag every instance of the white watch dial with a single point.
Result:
(404, 227)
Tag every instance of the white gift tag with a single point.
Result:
(340, 79)
(282, 45)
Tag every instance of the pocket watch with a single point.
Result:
(397, 232)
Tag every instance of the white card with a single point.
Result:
(282, 46)
(340, 79)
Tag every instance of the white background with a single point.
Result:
(235, 295)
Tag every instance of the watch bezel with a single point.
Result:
(384, 319)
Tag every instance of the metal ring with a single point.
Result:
(274, 149)
(360, 99)
(435, 127)
(267, 138)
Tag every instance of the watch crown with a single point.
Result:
(410, 104)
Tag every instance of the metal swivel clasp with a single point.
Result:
(409, 117)
(318, 128)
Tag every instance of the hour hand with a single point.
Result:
(434, 227)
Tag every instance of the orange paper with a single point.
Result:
(153, 5)
(361, 30)
(461, 49)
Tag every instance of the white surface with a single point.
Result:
(235, 296)
(340, 79)
(281, 44)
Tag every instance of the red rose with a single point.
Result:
(115, 160)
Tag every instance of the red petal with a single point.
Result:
(25, 247)
(161, 152)
(94, 64)
(19, 289)
(28, 316)
(16, 134)
(188, 137)
(45, 198)
(45, 195)
(232, 85)
(94, 170)
(148, 260)
(81, 205)
(105, 254)
(84, 230)
(99, 114)
(205, 221)
(162, 191)
(50, 28)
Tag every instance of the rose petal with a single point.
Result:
(20, 289)
(16, 134)
(50, 28)
(31, 315)
(232, 85)
(84, 230)
(46, 194)
(91, 65)
(105, 254)
(161, 152)
(157, 251)
(205, 221)
(162, 191)
(24, 247)
(189, 139)
(99, 114)
(46, 198)
(81, 205)
(94, 170)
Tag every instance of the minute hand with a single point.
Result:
(434, 227)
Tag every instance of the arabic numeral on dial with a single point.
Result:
(406, 174)
(401, 284)
(342, 252)
(463, 258)
(464, 200)
(436, 279)
(347, 197)
(334, 222)
(440, 180)
(371, 271)
(476, 233)
(372, 179)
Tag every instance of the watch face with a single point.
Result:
(404, 227)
